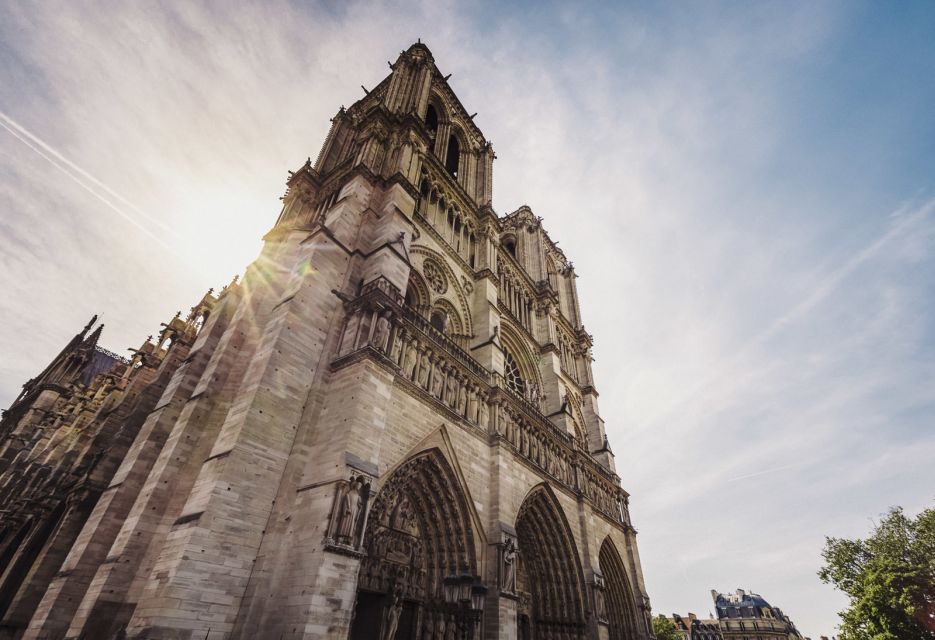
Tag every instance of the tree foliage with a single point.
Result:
(889, 579)
(664, 629)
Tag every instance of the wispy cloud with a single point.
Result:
(720, 175)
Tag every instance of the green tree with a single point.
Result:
(889, 579)
(664, 629)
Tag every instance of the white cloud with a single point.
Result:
(743, 324)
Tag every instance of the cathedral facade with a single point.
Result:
(387, 428)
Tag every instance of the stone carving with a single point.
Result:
(435, 276)
(600, 607)
(348, 512)
(483, 414)
(472, 405)
(424, 368)
(381, 332)
(438, 379)
(409, 359)
(392, 618)
(508, 566)
(350, 509)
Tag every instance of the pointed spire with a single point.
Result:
(90, 324)
(91, 340)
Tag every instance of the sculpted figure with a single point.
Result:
(509, 566)
(462, 399)
(392, 618)
(409, 359)
(350, 507)
(397, 349)
(424, 365)
(381, 332)
(451, 392)
(438, 379)
(428, 626)
(472, 405)
(483, 413)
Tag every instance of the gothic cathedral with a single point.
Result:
(386, 429)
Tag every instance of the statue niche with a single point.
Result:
(348, 513)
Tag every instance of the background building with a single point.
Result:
(387, 429)
(694, 628)
(748, 616)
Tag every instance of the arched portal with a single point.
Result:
(549, 579)
(621, 606)
(419, 532)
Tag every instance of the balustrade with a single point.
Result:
(440, 368)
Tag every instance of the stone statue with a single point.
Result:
(462, 398)
(409, 359)
(396, 352)
(428, 626)
(392, 618)
(350, 507)
(472, 405)
(424, 366)
(438, 379)
(381, 332)
(509, 566)
(451, 392)
(483, 414)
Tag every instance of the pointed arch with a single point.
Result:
(453, 323)
(550, 577)
(419, 532)
(517, 350)
(417, 293)
(620, 602)
(454, 294)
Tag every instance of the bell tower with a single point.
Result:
(387, 428)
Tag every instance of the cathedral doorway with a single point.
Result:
(549, 579)
(418, 533)
(621, 609)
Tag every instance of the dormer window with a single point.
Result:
(453, 156)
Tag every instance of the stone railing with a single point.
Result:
(439, 368)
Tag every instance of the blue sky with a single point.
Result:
(747, 191)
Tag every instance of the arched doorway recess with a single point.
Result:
(419, 532)
(621, 606)
(549, 578)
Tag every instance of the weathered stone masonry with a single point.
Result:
(388, 428)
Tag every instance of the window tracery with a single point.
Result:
(514, 378)
(435, 277)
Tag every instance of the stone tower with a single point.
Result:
(387, 428)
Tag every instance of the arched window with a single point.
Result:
(509, 243)
(453, 157)
(513, 378)
(431, 122)
(440, 321)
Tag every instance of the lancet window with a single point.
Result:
(454, 226)
(566, 352)
(516, 298)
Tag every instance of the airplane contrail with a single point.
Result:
(88, 182)
(765, 471)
